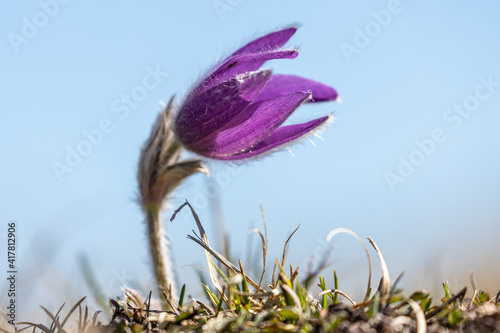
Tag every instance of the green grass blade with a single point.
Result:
(181, 297)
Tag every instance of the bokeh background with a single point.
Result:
(407, 71)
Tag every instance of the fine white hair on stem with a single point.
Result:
(160, 171)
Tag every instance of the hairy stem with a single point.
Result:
(160, 172)
(159, 251)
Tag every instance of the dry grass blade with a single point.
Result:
(56, 316)
(274, 279)
(264, 246)
(239, 277)
(261, 294)
(393, 288)
(340, 292)
(173, 306)
(216, 254)
(72, 310)
(452, 299)
(311, 300)
(85, 317)
(224, 261)
(82, 324)
(473, 298)
(205, 307)
(334, 232)
(473, 281)
(79, 318)
(213, 273)
(264, 253)
(54, 320)
(419, 315)
(148, 306)
(293, 274)
(39, 326)
(94, 318)
(286, 243)
(209, 252)
(385, 282)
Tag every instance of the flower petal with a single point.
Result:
(280, 85)
(212, 109)
(241, 64)
(251, 126)
(268, 42)
(279, 137)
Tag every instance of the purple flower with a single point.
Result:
(236, 112)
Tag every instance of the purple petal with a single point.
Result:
(241, 64)
(280, 85)
(279, 137)
(251, 126)
(212, 109)
(268, 42)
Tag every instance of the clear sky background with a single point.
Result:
(407, 71)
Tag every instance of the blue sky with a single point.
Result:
(411, 160)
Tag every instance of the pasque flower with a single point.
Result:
(236, 111)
